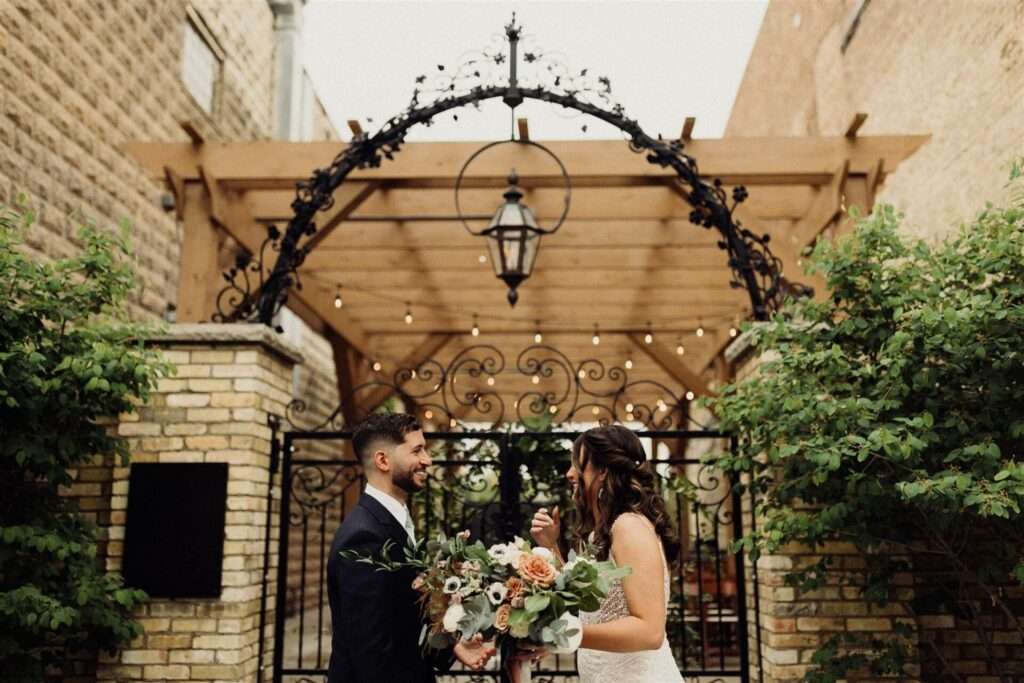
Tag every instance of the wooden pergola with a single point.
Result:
(627, 259)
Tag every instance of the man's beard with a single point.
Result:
(407, 481)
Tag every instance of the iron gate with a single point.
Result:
(491, 482)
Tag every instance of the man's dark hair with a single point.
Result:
(389, 428)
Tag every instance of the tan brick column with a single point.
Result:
(794, 624)
(229, 379)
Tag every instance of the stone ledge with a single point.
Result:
(741, 346)
(215, 334)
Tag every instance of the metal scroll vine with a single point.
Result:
(466, 393)
(752, 262)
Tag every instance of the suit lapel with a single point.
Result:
(384, 518)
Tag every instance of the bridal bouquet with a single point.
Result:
(509, 592)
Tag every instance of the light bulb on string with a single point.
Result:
(377, 366)
(689, 395)
(628, 364)
(596, 339)
(700, 328)
(538, 337)
(338, 303)
(680, 349)
(733, 332)
(408, 313)
(649, 337)
(476, 327)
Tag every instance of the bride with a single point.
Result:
(621, 513)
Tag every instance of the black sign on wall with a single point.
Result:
(174, 536)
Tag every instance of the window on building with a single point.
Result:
(201, 61)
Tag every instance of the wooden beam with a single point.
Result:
(592, 279)
(343, 370)
(827, 207)
(550, 258)
(688, 125)
(232, 214)
(347, 199)
(855, 123)
(671, 364)
(608, 205)
(200, 249)
(423, 352)
(524, 128)
(777, 160)
(355, 127)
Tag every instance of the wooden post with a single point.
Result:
(200, 250)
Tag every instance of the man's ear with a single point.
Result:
(381, 461)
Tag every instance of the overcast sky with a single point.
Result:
(666, 60)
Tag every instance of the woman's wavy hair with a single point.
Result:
(630, 486)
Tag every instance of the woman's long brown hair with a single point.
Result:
(630, 486)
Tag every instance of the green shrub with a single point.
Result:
(891, 415)
(68, 359)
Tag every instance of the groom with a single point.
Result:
(375, 614)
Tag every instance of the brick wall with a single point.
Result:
(82, 78)
(950, 68)
(229, 379)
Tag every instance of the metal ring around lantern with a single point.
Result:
(561, 166)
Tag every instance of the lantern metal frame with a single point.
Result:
(513, 278)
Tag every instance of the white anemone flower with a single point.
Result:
(496, 593)
(452, 584)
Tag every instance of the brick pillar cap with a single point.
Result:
(215, 334)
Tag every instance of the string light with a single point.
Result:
(649, 337)
(629, 407)
(628, 364)
(538, 337)
(689, 395)
(553, 409)
(490, 381)
(733, 332)
(408, 313)
(377, 366)
(476, 327)
(597, 336)
(536, 379)
(482, 258)
(680, 349)
(595, 410)
(700, 328)
(338, 303)
(429, 414)
(452, 423)
(582, 373)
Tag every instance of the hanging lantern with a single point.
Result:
(513, 234)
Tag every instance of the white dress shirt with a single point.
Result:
(397, 509)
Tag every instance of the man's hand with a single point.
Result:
(474, 653)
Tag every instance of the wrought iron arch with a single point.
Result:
(754, 266)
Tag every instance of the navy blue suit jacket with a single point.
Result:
(375, 614)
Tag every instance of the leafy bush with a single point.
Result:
(68, 360)
(890, 415)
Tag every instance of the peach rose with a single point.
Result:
(515, 588)
(536, 570)
(501, 618)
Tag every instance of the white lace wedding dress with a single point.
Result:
(647, 666)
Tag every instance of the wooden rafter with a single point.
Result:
(671, 364)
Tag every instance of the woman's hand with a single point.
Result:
(525, 652)
(546, 529)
